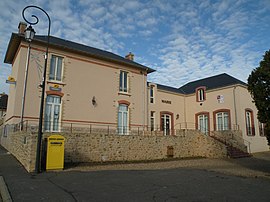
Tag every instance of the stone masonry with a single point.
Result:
(82, 147)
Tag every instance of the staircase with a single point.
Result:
(232, 151)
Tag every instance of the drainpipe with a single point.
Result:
(25, 84)
(144, 97)
(235, 110)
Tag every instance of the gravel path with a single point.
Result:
(256, 166)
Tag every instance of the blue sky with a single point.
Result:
(183, 40)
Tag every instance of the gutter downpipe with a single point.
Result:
(144, 102)
(235, 110)
(25, 84)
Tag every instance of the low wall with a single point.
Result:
(102, 148)
(22, 145)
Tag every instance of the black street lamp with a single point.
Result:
(42, 85)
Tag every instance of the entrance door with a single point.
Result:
(52, 113)
(166, 124)
(203, 123)
(123, 119)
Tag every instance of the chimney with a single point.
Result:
(130, 56)
(22, 27)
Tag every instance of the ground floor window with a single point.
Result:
(222, 120)
(202, 120)
(152, 121)
(52, 113)
(262, 129)
(123, 119)
(249, 122)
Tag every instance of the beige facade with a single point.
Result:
(186, 112)
(89, 90)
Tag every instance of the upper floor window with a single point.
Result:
(56, 68)
(249, 122)
(200, 94)
(123, 83)
(151, 94)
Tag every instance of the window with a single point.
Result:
(151, 94)
(152, 121)
(52, 113)
(222, 120)
(202, 122)
(200, 94)
(123, 119)
(123, 83)
(249, 122)
(262, 129)
(56, 68)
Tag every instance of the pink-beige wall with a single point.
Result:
(235, 100)
(168, 103)
(83, 79)
(244, 101)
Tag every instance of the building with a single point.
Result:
(3, 104)
(92, 89)
(85, 85)
(218, 103)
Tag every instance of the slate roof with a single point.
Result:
(3, 101)
(70, 46)
(168, 88)
(218, 81)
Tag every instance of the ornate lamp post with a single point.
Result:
(29, 35)
(42, 85)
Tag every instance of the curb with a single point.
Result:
(4, 193)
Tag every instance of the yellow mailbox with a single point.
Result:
(55, 152)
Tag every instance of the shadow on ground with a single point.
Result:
(258, 162)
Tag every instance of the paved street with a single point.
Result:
(182, 180)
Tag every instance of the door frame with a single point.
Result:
(162, 113)
(197, 121)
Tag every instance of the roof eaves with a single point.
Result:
(98, 56)
(13, 45)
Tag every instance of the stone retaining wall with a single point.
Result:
(81, 147)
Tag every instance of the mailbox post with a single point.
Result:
(55, 152)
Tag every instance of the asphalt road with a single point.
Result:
(161, 185)
(173, 184)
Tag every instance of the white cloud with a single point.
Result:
(183, 40)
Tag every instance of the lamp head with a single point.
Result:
(29, 34)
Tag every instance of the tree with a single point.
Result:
(259, 87)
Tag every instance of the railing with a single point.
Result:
(97, 128)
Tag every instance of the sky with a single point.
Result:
(183, 40)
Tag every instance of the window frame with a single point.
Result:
(151, 94)
(261, 129)
(250, 127)
(54, 77)
(152, 120)
(123, 131)
(123, 80)
(215, 113)
(50, 127)
(207, 114)
(201, 94)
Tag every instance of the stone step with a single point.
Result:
(237, 153)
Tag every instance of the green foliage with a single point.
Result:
(259, 87)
